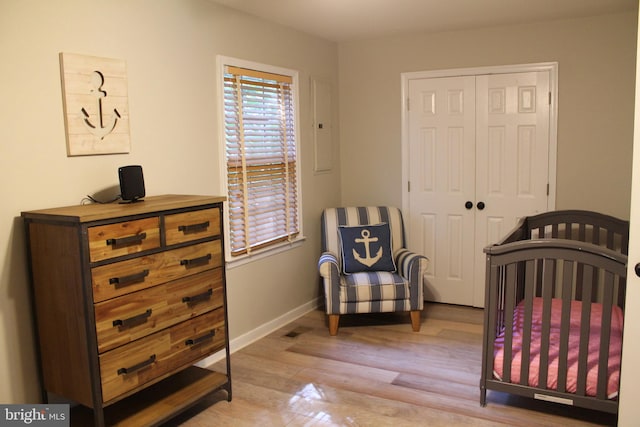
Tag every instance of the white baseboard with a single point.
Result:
(259, 332)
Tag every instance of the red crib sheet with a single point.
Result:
(615, 347)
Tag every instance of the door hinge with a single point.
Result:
(409, 186)
(549, 98)
(408, 104)
(547, 189)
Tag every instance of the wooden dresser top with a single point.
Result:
(97, 211)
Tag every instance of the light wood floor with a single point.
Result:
(376, 372)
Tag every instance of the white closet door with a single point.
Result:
(512, 157)
(478, 161)
(442, 171)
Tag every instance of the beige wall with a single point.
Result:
(170, 48)
(596, 63)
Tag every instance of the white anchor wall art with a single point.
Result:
(95, 101)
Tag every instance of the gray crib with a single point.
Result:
(555, 289)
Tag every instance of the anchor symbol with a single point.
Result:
(367, 260)
(97, 80)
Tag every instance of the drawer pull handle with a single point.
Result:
(125, 241)
(131, 369)
(193, 228)
(133, 320)
(200, 297)
(200, 260)
(201, 339)
(127, 280)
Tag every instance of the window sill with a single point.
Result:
(263, 253)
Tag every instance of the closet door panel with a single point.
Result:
(512, 156)
(442, 171)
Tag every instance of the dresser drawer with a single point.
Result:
(130, 366)
(123, 238)
(133, 316)
(120, 278)
(188, 226)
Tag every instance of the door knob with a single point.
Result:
(480, 205)
(637, 268)
(468, 205)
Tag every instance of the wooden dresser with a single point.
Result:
(127, 297)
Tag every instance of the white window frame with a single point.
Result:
(222, 62)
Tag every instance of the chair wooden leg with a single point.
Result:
(415, 320)
(334, 319)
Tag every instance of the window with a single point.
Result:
(261, 158)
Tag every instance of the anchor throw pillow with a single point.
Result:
(366, 248)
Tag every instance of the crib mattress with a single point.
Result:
(615, 347)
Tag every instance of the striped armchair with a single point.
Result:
(368, 291)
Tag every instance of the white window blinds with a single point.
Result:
(261, 159)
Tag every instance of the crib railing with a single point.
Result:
(579, 225)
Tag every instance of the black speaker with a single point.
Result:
(131, 183)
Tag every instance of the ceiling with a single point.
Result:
(348, 20)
